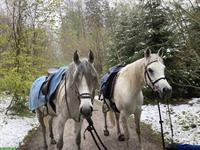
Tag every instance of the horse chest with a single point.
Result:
(131, 106)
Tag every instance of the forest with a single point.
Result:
(40, 34)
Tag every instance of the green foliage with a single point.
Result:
(154, 28)
(24, 56)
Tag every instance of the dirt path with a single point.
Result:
(150, 141)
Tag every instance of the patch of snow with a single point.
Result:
(185, 120)
(13, 128)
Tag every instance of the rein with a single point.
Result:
(91, 128)
(158, 103)
(161, 124)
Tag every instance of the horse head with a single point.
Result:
(155, 74)
(86, 80)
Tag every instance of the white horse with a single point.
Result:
(128, 95)
(73, 99)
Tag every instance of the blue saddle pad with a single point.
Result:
(36, 98)
(55, 81)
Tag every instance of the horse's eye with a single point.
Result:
(150, 70)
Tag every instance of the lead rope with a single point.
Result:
(161, 126)
(171, 125)
(90, 128)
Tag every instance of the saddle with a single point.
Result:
(107, 84)
(46, 84)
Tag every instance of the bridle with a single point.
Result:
(79, 96)
(85, 95)
(90, 128)
(146, 74)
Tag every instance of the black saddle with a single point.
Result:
(107, 84)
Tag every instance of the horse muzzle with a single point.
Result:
(86, 111)
(166, 92)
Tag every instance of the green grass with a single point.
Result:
(7, 148)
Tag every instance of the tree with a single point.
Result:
(24, 53)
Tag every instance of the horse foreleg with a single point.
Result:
(137, 123)
(61, 125)
(125, 127)
(120, 136)
(105, 110)
(41, 121)
(51, 130)
(78, 134)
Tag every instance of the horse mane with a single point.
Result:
(135, 70)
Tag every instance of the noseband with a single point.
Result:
(85, 95)
(146, 74)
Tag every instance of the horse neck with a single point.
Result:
(135, 74)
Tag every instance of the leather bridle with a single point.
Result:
(146, 74)
(79, 96)
(85, 96)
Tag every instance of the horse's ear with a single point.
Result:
(147, 53)
(160, 52)
(91, 57)
(76, 57)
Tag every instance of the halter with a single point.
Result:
(79, 96)
(90, 127)
(160, 117)
(149, 77)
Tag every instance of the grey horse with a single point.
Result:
(73, 99)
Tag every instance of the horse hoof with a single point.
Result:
(106, 132)
(53, 141)
(121, 137)
(59, 145)
(45, 147)
(79, 147)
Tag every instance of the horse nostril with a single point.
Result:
(167, 91)
(86, 111)
(91, 108)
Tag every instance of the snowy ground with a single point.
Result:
(13, 128)
(186, 123)
(185, 118)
